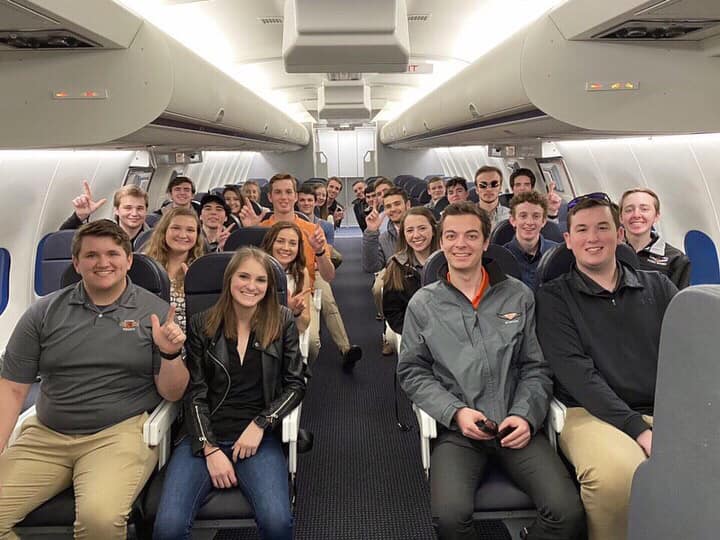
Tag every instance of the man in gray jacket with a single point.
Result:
(470, 359)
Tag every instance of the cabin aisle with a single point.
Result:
(363, 479)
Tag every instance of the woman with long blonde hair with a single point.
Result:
(246, 374)
(175, 243)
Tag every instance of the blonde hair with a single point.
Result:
(157, 247)
(266, 321)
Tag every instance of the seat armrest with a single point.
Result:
(317, 299)
(28, 413)
(290, 428)
(304, 345)
(392, 338)
(157, 429)
(428, 430)
(555, 421)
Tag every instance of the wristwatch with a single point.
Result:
(262, 422)
(321, 253)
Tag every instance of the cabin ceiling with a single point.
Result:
(244, 37)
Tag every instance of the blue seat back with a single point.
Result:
(559, 259)
(142, 239)
(704, 267)
(204, 281)
(472, 194)
(54, 254)
(145, 272)
(152, 219)
(504, 233)
(247, 236)
(4, 279)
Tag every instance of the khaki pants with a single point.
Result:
(605, 460)
(107, 469)
(333, 320)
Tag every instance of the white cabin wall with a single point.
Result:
(299, 164)
(420, 163)
(465, 160)
(220, 168)
(684, 171)
(38, 188)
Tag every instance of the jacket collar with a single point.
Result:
(128, 299)
(219, 344)
(627, 277)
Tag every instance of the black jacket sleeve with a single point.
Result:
(292, 383)
(197, 412)
(73, 222)
(680, 272)
(563, 349)
(394, 307)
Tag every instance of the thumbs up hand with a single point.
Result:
(168, 337)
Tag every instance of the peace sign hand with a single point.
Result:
(317, 240)
(554, 200)
(374, 219)
(247, 215)
(223, 236)
(84, 205)
(169, 337)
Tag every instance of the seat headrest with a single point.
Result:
(247, 236)
(559, 260)
(497, 254)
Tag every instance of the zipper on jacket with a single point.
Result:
(275, 413)
(202, 431)
(227, 390)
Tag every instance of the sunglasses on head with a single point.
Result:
(597, 196)
(485, 185)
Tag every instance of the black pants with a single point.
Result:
(457, 466)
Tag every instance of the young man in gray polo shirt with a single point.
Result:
(104, 360)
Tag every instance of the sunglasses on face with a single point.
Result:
(597, 196)
(485, 185)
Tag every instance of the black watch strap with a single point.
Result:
(262, 422)
(171, 356)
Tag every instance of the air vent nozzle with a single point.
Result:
(46, 39)
(649, 30)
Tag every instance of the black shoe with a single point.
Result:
(351, 356)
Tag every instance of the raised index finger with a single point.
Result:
(86, 189)
(171, 314)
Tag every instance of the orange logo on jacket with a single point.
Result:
(510, 317)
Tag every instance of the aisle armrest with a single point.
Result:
(428, 431)
(290, 428)
(305, 345)
(157, 429)
(555, 420)
(27, 414)
(392, 338)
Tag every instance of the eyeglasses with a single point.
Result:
(485, 185)
(597, 196)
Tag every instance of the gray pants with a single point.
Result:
(458, 465)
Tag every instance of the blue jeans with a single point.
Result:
(263, 479)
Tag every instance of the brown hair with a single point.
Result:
(336, 179)
(465, 208)
(322, 210)
(129, 191)
(236, 191)
(296, 268)
(180, 180)
(489, 168)
(532, 197)
(641, 190)
(101, 227)
(157, 247)
(380, 180)
(394, 277)
(282, 176)
(592, 203)
(267, 319)
(396, 191)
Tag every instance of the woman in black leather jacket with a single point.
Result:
(402, 275)
(246, 373)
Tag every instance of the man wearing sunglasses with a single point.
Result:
(599, 327)
(488, 182)
(470, 358)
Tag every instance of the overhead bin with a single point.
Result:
(155, 92)
(370, 36)
(538, 84)
(344, 100)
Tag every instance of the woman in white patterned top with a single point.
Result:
(284, 241)
(175, 244)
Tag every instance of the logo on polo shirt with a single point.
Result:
(129, 325)
(660, 261)
(511, 317)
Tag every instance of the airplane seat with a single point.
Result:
(418, 189)
(264, 200)
(145, 272)
(424, 197)
(673, 492)
(504, 233)
(142, 239)
(217, 191)
(54, 253)
(4, 279)
(504, 199)
(429, 176)
(199, 195)
(152, 219)
(439, 207)
(497, 496)
(704, 267)
(247, 236)
(472, 195)
(559, 259)
(260, 181)
(227, 508)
